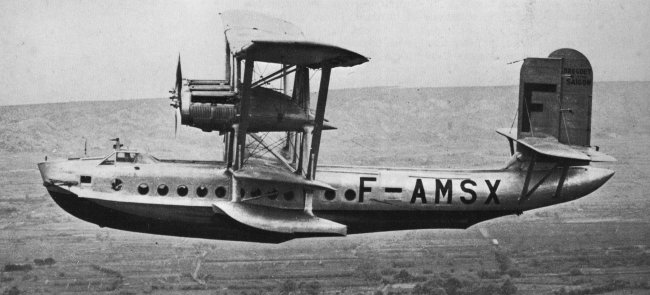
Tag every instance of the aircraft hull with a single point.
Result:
(202, 222)
(420, 205)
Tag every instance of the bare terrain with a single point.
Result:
(595, 245)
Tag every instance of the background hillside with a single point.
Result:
(376, 126)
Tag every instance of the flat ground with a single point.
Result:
(596, 245)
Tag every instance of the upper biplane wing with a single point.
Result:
(274, 40)
(304, 53)
(243, 26)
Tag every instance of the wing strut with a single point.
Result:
(526, 193)
(565, 170)
(318, 121)
(244, 113)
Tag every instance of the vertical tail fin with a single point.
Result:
(555, 98)
(555, 108)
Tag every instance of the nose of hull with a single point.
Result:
(44, 168)
(57, 173)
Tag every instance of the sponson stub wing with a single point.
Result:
(266, 177)
(279, 220)
(265, 170)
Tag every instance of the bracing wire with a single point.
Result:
(257, 145)
(259, 150)
(566, 131)
(513, 120)
(529, 120)
(314, 73)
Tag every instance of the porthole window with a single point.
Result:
(143, 188)
(220, 192)
(273, 194)
(201, 191)
(288, 195)
(116, 184)
(163, 190)
(182, 190)
(256, 193)
(350, 195)
(330, 195)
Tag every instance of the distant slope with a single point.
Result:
(436, 127)
(60, 128)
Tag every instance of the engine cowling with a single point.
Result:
(211, 105)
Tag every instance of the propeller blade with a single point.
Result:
(179, 76)
(175, 123)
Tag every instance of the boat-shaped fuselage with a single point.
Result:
(134, 191)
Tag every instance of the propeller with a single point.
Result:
(179, 78)
(176, 122)
(176, 94)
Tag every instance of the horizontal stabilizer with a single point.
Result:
(550, 146)
(597, 156)
(279, 220)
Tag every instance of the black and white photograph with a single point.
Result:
(324, 147)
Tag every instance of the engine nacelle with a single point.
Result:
(211, 105)
(209, 117)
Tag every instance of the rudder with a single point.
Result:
(555, 98)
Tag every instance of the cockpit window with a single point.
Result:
(125, 157)
(110, 160)
(128, 157)
(144, 159)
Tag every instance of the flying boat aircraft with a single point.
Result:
(286, 193)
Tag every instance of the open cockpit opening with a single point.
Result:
(129, 157)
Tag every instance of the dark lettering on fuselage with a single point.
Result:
(363, 188)
(464, 188)
(493, 191)
(443, 190)
(418, 192)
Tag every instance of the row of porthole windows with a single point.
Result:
(163, 189)
(220, 192)
(182, 190)
(349, 195)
